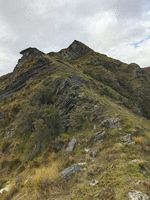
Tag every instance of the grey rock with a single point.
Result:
(139, 182)
(94, 127)
(94, 109)
(100, 136)
(111, 123)
(134, 161)
(72, 144)
(8, 133)
(128, 139)
(136, 195)
(87, 150)
(98, 132)
(68, 172)
(94, 152)
(94, 182)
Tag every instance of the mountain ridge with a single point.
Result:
(75, 54)
(74, 124)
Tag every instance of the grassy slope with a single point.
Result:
(39, 178)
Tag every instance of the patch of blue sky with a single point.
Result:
(148, 4)
(136, 44)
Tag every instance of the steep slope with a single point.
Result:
(72, 126)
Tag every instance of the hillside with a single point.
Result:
(74, 124)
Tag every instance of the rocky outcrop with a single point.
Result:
(128, 139)
(111, 123)
(21, 75)
(67, 98)
(68, 172)
(136, 195)
(100, 136)
(75, 50)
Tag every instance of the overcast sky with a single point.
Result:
(118, 28)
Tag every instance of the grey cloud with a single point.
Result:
(52, 25)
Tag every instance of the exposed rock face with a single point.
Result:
(68, 172)
(20, 76)
(27, 53)
(110, 123)
(136, 195)
(74, 50)
(66, 99)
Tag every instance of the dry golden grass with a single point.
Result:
(140, 140)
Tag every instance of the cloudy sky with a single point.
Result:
(118, 28)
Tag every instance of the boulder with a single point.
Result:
(72, 144)
(128, 139)
(136, 195)
(68, 172)
(111, 123)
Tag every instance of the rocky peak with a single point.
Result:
(78, 45)
(29, 50)
(75, 50)
(27, 53)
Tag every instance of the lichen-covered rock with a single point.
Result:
(136, 195)
(72, 144)
(111, 123)
(68, 172)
